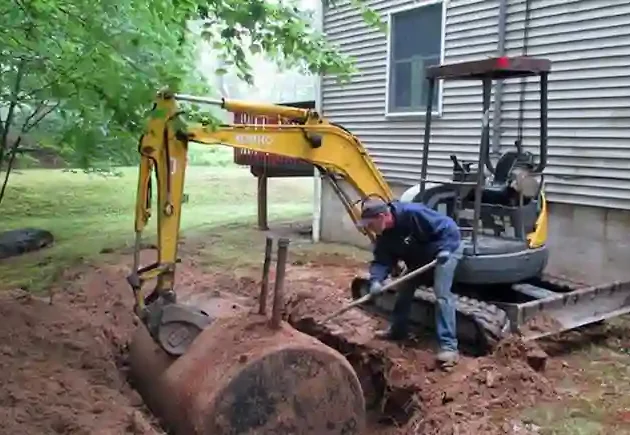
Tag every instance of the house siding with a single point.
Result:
(588, 42)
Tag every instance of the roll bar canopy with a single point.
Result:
(494, 68)
(486, 71)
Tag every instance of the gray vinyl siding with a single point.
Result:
(588, 42)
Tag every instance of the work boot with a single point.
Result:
(390, 334)
(447, 358)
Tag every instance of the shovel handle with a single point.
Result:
(408, 275)
(369, 296)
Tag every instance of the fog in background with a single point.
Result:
(271, 85)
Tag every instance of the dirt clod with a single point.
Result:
(537, 359)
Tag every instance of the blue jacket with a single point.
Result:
(418, 234)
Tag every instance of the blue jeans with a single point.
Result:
(445, 309)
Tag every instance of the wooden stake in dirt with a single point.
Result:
(264, 285)
(278, 292)
(389, 286)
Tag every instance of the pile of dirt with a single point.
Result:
(472, 398)
(60, 372)
(63, 365)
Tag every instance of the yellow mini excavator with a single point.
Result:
(500, 208)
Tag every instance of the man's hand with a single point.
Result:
(397, 270)
(376, 288)
(442, 257)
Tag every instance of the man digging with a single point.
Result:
(415, 234)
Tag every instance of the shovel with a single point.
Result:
(392, 284)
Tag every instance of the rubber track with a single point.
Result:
(485, 324)
(480, 325)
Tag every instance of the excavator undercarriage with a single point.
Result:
(531, 309)
(203, 365)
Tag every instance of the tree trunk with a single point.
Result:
(9, 167)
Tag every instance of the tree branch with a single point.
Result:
(26, 127)
(39, 107)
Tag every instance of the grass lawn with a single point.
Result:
(87, 213)
(595, 385)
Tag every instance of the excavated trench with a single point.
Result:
(276, 369)
(393, 376)
(75, 366)
(389, 394)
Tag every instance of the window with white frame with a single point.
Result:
(415, 42)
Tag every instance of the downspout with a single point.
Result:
(317, 179)
(498, 88)
(521, 102)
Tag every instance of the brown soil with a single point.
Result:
(63, 366)
(405, 386)
(60, 366)
(541, 324)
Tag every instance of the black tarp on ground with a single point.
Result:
(21, 241)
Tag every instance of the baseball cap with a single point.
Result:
(370, 209)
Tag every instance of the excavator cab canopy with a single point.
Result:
(486, 71)
(495, 69)
(491, 186)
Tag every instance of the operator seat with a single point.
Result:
(446, 194)
(496, 193)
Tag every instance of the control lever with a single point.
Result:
(457, 167)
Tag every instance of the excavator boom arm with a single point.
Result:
(164, 146)
(326, 146)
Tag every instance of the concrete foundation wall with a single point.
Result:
(586, 243)
(336, 225)
(589, 242)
